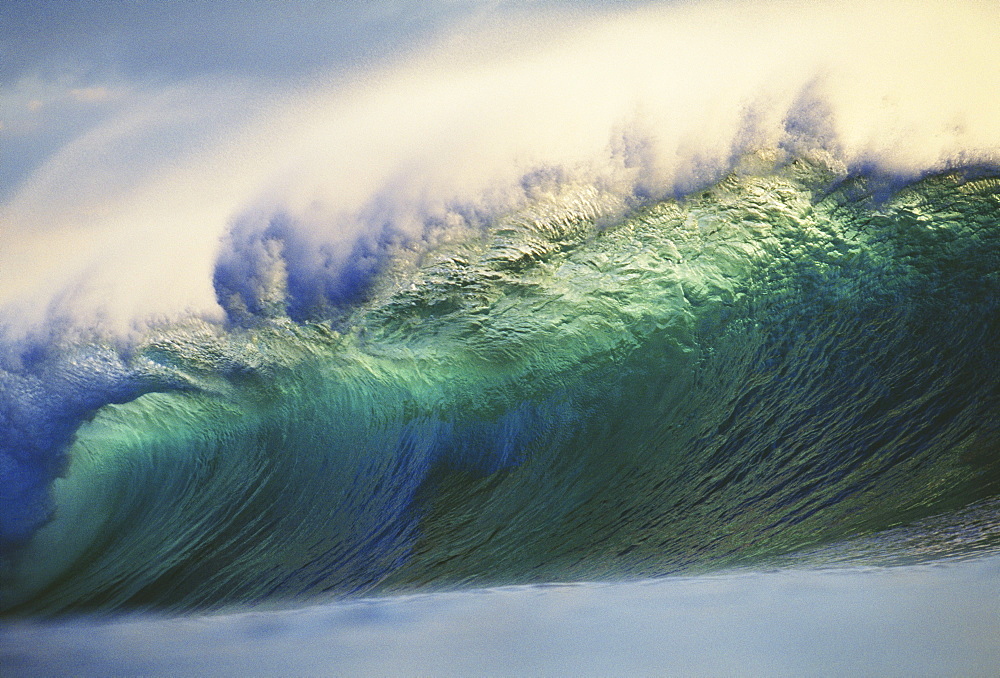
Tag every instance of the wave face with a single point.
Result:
(785, 359)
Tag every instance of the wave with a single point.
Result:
(498, 324)
(779, 361)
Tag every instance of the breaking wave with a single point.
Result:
(680, 332)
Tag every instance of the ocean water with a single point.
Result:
(644, 394)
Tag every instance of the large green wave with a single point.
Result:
(586, 388)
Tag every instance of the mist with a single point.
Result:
(125, 224)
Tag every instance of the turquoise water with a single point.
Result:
(585, 388)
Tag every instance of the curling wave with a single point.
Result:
(584, 387)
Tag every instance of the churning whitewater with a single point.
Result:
(613, 304)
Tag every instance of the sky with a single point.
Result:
(67, 66)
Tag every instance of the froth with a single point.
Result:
(125, 224)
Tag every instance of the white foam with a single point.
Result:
(123, 224)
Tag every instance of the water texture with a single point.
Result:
(578, 390)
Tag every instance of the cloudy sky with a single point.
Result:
(67, 66)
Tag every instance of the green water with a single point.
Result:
(584, 389)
